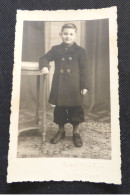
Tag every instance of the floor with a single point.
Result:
(95, 133)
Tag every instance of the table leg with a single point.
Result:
(44, 109)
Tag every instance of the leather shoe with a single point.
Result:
(60, 135)
(77, 140)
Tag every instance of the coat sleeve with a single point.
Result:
(83, 66)
(46, 58)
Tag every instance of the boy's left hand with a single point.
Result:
(84, 91)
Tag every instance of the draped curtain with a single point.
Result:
(96, 42)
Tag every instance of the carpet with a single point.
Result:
(95, 134)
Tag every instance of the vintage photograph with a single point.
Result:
(69, 62)
(65, 109)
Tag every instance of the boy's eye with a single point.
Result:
(65, 33)
(68, 34)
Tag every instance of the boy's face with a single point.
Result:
(68, 35)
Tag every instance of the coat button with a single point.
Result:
(63, 59)
(70, 58)
(61, 71)
(68, 70)
(66, 48)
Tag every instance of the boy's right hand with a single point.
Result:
(45, 70)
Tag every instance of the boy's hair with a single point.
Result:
(69, 25)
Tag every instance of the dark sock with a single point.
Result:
(61, 128)
(75, 129)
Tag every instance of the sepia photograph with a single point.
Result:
(65, 96)
(65, 90)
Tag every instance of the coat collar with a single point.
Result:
(71, 48)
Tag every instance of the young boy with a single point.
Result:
(69, 82)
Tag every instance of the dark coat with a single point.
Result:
(70, 75)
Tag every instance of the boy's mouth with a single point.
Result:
(67, 40)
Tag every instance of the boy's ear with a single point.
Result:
(60, 34)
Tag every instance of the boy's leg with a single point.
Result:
(76, 116)
(60, 118)
(60, 115)
(76, 136)
(75, 128)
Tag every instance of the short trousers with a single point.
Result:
(73, 115)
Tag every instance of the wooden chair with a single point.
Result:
(36, 72)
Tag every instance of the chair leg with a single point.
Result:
(37, 98)
(44, 109)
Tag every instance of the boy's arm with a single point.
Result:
(83, 72)
(46, 58)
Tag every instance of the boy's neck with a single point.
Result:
(68, 45)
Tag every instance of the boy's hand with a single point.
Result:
(84, 91)
(45, 70)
